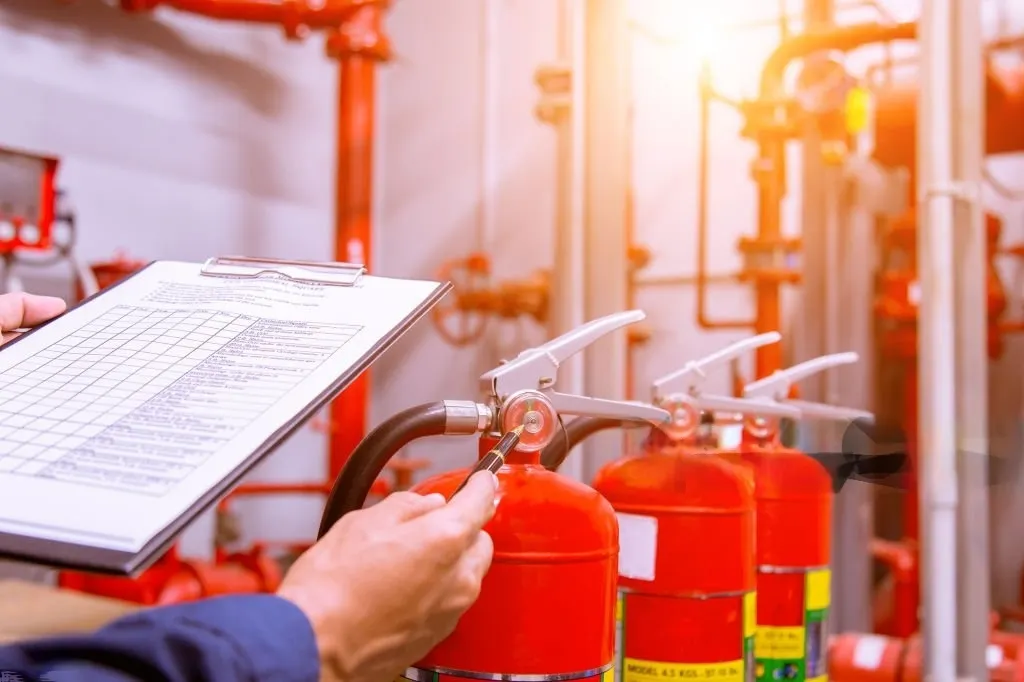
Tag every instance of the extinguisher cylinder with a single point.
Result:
(793, 495)
(686, 599)
(550, 591)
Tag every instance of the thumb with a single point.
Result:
(25, 310)
(474, 504)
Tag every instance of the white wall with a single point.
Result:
(182, 137)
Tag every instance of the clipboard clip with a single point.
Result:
(304, 272)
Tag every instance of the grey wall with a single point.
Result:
(182, 138)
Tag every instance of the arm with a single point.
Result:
(239, 638)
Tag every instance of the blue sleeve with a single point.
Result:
(238, 638)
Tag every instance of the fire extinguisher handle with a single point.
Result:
(691, 375)
(810, 410)
(777, 385)
(745, 406)
(537, 368)
(622, 410)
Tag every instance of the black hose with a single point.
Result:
(372, 454)
(573, 433)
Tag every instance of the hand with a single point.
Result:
(26, 310)
(387, 584)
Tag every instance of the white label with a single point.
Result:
(993, 655)
(867, 655)
(730, 437)
(914, 293)
(638, 546)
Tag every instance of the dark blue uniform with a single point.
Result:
(250, 638)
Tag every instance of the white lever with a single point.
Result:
(777, 384)
(693, 373)
(776, 387)
(827, 412)
(536, 369)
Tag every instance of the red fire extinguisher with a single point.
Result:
(794, 522)
(551, 586)
(690, 616)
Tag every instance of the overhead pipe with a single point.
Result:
(296, 17)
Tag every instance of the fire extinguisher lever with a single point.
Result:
(535, 371)
(691, 375)
(776, 388)
(682, 394)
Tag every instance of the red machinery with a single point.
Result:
(27, 201)
(690, 618)
(551, 586)
(896, 602)
(877, 658)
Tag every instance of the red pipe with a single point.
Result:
(359, 45)
(296, 16)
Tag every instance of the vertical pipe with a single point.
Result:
(967, 46)
(606, 94)
(357, 46)
(567, 290)
(936, 339)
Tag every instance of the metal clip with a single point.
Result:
(684, 385)
(536, 370)
(776, 388)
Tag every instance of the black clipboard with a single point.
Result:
(65, 555)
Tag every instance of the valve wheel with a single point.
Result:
(458, 324)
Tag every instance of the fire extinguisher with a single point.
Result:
(794, 495)
(690, 616)
(551, 585)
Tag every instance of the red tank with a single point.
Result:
(546, 608)
(793, 497)
(858, 657)
(686, 571)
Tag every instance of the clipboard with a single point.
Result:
(41, 543)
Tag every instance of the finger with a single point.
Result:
(473, 506)
(405, 506)
(472, 568)
(8, 336)
(478, 558)
(26, 310)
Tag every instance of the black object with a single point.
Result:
(367, 461)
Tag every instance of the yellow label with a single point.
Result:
(779, 643)
(618, 608)
(749, 614)
(634, 670)
(857, 110)
(608, 675)
(820, 678)
(818, 590)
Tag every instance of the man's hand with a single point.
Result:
(26, 310)
(386, 584)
